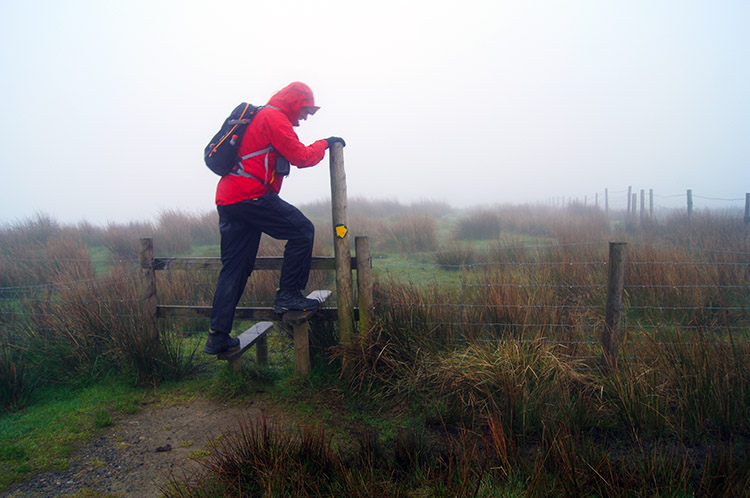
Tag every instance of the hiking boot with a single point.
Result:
(293, 301)
(218, 342)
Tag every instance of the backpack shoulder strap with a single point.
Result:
(240, 171)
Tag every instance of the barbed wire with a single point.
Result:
(25, 313)
(401, 265)
(718, 198)
(685, 327)
(466, 305)
(501, 263)
(683, 248)
(117, 279)
(706, 308)
(505, 324)
(69, 260)
(575, 286)
(501, 340)
(63, 300)
(89, 283)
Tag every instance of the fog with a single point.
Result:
(107, 106)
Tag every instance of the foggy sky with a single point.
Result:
(107, 106)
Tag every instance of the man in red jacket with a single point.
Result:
(249, 204)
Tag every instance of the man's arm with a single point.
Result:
(285, 140)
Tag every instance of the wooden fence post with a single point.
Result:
(606, 202)
(643, 205)
(342, 253)
(650, 203)
(364, 282)
(747, 209)
(148, 288)
(689, 203)
(613, 314)
(630, 192)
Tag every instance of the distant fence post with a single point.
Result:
(612, 334)
(630, 191)
(689, 203)
(342, 253)
(364, 282)
(643, 204)
(747, 209)
(148, 287)
(650, 203)
(606, 202)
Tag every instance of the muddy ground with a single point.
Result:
(138, 453)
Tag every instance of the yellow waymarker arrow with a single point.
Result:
(341, 231)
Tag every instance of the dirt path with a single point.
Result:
(139, 452)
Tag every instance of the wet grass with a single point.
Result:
(43, 437)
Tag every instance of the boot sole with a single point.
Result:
(206, 350)
(282, 310)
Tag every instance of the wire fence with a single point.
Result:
(636, 199)
(531, 293)
(671, 294)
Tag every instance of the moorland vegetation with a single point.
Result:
(481, 376)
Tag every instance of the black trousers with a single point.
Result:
(241, 226)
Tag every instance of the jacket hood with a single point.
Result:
(292, 98)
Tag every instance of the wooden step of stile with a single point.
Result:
(255, 335)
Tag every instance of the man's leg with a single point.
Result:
(285, 222)
(239, 247)
(281, 220)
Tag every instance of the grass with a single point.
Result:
(482, 374)
(42, 438)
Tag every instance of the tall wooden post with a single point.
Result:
(650, 203)
(148, 288)
(689, 203)
(612, 334)
(630, 192)
(606, 202)
(747, 209)
(643, 205)
(364, 282)
(344, 292)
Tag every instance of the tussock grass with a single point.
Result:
(499, 357)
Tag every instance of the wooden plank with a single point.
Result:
(254, 335)
(295, 317)
(261, 263)
(247, 339)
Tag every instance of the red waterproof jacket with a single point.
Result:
(272, 127)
